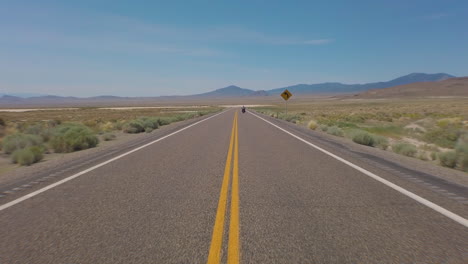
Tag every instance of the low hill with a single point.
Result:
(450, 87)
(228, 91)
(335, 87)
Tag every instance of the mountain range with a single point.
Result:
(234, 91)
(453, 87)
(331, 87)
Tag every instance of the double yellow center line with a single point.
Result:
(214, 256)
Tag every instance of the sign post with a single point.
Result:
(286, 95)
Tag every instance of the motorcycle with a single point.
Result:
(243, 110)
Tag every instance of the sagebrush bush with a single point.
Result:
(42, 130)
(23, 157)
(163, 121)
(324, 128)
(142, 124)
(363, 138)
(462, 152)
(19, 141)
(445, 137)
(293, 118)
(38, 152)
(381, 142)
(422, 156)
(335, 131)
(405, 149)
(34, 129)
(118, 125)
(54, 122)
(448, 159)
(107, 127)
(108, 136)
(28, 156)
(72, 137)
(312, 124)
(150, 123)
(134, 126)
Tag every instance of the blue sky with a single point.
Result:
(151, 48)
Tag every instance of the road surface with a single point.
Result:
(232, 188)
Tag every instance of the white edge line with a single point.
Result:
(48, 187)
(411, 195)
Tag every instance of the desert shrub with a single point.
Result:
(293, 118)
(363, 138)
(462, 152)
(405, 149)
(17, 141)
(28, 156)
(149, 123)
(54, 123)
(312, 125)
(381, 142)
(391, 131)
(430, 148)
(355, 118)
(433, 155)
(185, 116)
(340, 124)
(72, 137)
(448, 159)
(163, 121)
(108, 136)
(423, 156)
(118, 125)
(141, 124)
(449, 122)
(38, 152)
(445, 137)
(324, 128)
(462, 144)
(382, 116)
(46, 133)
(92, 123)
(2, 129)
(23, 157)
(42, 130)
(335, 131)
(107, 127)
(34, 129)
(134, 126)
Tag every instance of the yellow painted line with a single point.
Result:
(214, 256)
(233, 246)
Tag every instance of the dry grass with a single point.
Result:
(90, 114)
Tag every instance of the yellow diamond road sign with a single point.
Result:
(286, 94)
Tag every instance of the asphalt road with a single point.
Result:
(230, 189)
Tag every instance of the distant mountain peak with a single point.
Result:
(231, 87)
(230, 90)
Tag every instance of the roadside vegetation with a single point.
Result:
(433, 130)
(27, 137)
